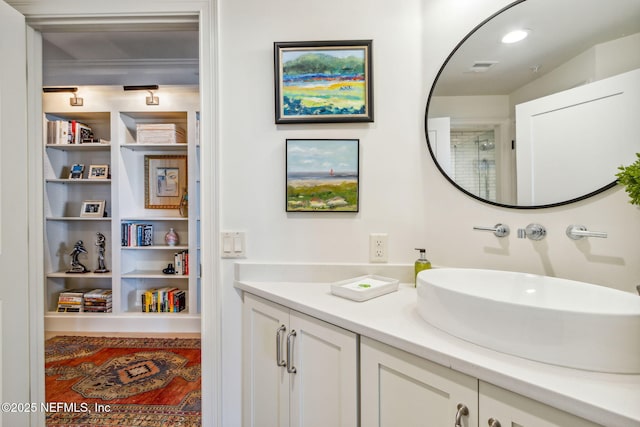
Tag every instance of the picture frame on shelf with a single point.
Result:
(98, 172)
(322, 175)
(76, 171)
(93, 208)
(165, 180)
(341, 73)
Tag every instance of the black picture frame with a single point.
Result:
(323, 81)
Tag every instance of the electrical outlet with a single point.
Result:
(378, 247)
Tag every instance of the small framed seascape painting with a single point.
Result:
(323, 82)
(322, 175)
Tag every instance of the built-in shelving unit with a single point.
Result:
(114, 116)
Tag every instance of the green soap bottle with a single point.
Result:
(422, 263)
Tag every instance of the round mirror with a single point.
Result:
(539, 105)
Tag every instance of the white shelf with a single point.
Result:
(78, 181)
(79, 147)
(153, 218)
(76, 218)
(133, 269)
(90, 275)
(155, 248)
(155, 147)
(152, 274)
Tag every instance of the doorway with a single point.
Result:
(109, 58)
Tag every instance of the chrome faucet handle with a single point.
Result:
(499, 230)
(533, 232)
(579, 232)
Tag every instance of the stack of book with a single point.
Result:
(68, 132)
(71, 300)
(135, 234)
(163, 300)
(181, 262)
(159, 133)
(98, 301)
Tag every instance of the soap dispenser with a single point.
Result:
(422, 263)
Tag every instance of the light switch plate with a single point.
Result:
(233, 244)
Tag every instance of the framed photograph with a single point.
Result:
(93, 208)
(76, 171)
(322, 175)
(323, 82)
(98, 172)
(165, 181)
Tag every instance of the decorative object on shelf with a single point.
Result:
(160, 133)
(93, 208)
(184, 204)
(76, 265)
(164, 176)
(322, 175)
(98, 172)
(340, 71)
(169, 270)
(76, 171)
(100, 243)
(171, 238)
(629, 176)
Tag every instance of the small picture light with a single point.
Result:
(74, 102)
(151, 99)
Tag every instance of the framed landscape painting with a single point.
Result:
(323, 82)
(322, 175)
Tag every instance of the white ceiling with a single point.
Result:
(120, 58)
(559, 30)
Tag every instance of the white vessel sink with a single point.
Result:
(551, 320)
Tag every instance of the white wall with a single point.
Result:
(402, 192)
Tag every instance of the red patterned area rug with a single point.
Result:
(104, 381)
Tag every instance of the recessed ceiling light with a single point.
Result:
(515, 36)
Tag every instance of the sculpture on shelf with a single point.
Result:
(183, 208)
(76, 265)
(100, 243)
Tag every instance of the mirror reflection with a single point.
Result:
(544, 119)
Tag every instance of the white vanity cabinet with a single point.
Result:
(400, 389)
(297, 371)
(500, 407)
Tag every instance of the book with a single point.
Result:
(163, 300)
(136, 234)
(71, 300)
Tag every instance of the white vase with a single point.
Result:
(171, 238)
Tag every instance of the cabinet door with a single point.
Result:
(265, 384)
(400, 389)
(511, 409)
(324, 388)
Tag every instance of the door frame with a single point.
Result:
(122, 15)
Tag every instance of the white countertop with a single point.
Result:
(608, 399)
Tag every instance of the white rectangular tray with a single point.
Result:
(364, 287)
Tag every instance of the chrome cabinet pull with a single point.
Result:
(463, 411)
(493, 422)
(279, 360)
(290, 368)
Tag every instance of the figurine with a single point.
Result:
(76, 265)
(100, 243)
(169, 270)
(183, 208)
